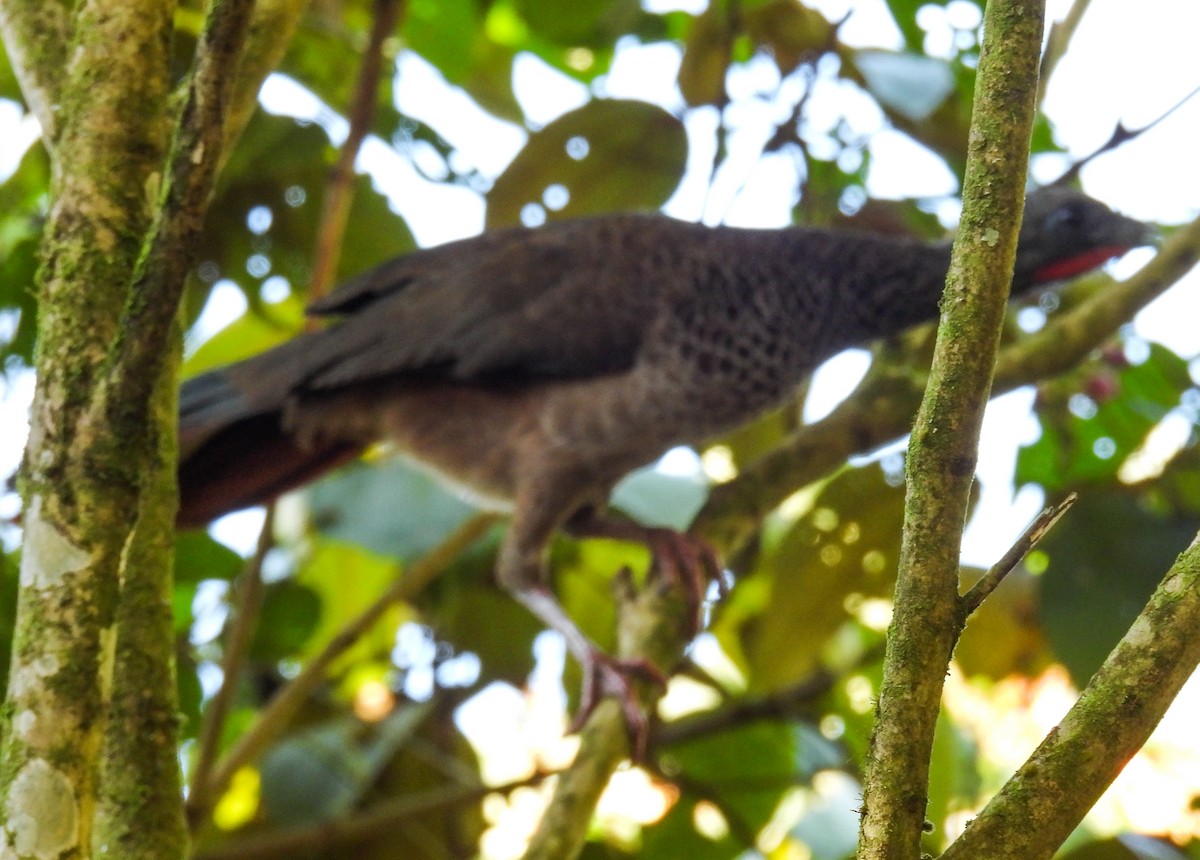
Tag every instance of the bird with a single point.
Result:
(538, 366)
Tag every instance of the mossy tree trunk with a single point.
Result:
(89, 764)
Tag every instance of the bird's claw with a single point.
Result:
(690, 563)
(605, 675)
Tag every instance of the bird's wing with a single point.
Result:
(571, 300)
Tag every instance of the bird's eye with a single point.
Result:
(1064, 216)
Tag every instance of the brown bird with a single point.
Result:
(539, 366)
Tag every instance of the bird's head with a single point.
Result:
(1066, 233)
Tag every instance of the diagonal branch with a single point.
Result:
(1038, 808)
(339, 190)
(278, 713)
(154, 297)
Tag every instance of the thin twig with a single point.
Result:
(246, 607)
(1061, 34)
(339, 192)
(278, 713)
(987, 583)
(378, 819)
(781, 704)
(1122, 135)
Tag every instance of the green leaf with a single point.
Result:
(1127, 846)
(389, 507)
(198, 557)
(347, 579)
(587, 23)
(290, 613)
(842, 550)
(8, 613)
(1104, 559)
(280, 168)
(607, 155)
(445, 33)
(744, 772)
(655, 498)
(912, 84)
(1127, 401)
(954, 779)
(252, 333)
(468, 608)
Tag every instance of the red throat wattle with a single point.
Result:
(1077, 265)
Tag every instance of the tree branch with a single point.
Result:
(154, 298)
(267, 41)
(339, 191)
(988, 583)
(37, 36)
(653, 624)
(342, 832)
(1038, 808)
(83, 491)
(277, 715)
(246, 606)
(943, 449)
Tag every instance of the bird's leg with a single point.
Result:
(522, 571)
(680, 558)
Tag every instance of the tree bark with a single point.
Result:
(943, 448)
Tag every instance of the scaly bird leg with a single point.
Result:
(521, 570)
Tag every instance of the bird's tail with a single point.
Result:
(235, 453)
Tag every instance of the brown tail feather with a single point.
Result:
(249, 463)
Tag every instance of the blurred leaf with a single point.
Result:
(289, 615)
(790, 30)
(656, 498)
(8, 613)
(1126, 402)
(325, 770)
(912, 84)
(607, 155)
(198, 557)
(744, 772)
(250, 334)
(706, 57)
(468, 609)
(586, 23)
(23, 198)
(1004, 635)
(844, 549)
(347, 579)
(18, 269)
(189, 691)
(829, 827)
(1127, 846)
(954, 781)
(279, 171)
(9, 88)
(389, 507)
(1104, 559)
(444, 32)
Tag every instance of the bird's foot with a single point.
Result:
(688, 562)
(605, 675)
(681, 559)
